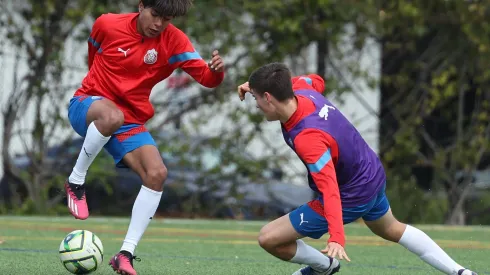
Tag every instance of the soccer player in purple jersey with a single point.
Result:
(344, 172)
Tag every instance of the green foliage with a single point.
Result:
(435, 56)
(411, 204)
(40, 30)
(434, 79)
(478, 208)
(250, 34)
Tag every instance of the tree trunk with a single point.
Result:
(36, 195)
(322, 55)
(456, 208)
(322, 49)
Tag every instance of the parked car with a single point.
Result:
(269, 195)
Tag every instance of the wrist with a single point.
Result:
(340, 241)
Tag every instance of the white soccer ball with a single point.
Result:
(81, 252)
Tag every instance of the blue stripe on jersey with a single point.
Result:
(307, 79)
(320, 164)
(95, 44)
(184, 57)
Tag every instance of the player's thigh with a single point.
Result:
(144, 159)
(380, 206)
(78, 112)
(381, 220)
(147, 162)
(387, 227)
(132, 146)
(85, 109)
(278, 232)
(105, 109)
(308, 220)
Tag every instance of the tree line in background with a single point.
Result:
(434, 83)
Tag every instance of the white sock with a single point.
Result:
(308, 255)
(92, 145)
(423, 246)
(144, 208)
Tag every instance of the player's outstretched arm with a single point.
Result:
(209, 74)
(315, 149)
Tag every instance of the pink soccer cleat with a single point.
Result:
(75, 197)
(122, 263)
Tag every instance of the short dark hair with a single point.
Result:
(274, 78)
(174, 8)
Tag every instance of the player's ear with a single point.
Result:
(268, 97)
(141, 6)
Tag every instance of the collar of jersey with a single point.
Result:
(132, 26)
(305, 108)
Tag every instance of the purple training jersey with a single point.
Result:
(360, 173)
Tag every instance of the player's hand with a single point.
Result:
(242, 90)
(335, 250)
(216, 64)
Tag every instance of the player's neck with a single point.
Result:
(287, 110)
(139, 29)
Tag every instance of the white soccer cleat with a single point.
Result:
(466, 272)
(334, 268)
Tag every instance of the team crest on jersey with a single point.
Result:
(151, 56)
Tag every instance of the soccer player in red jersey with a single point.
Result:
(347, 176)
(128, 54)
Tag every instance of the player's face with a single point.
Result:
(150, 23)
(264, 103)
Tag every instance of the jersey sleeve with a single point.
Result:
(95, 39)
(315, 149)
(307, 82)
(184, 56)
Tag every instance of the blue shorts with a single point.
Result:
(309, 223)
(126, 139)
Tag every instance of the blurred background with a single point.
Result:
(412, 76)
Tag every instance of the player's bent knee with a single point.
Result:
(277, 234)
(109, 121)
(155, 178)
(268, 238)
(266, 241)
(114, 117)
